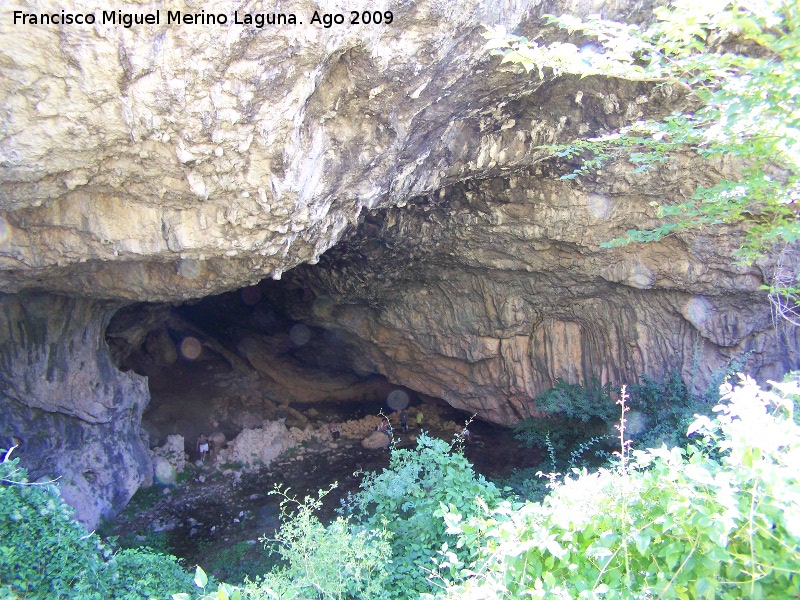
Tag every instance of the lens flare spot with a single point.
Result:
(251, 295)
(4, 228)
(397, 400)
(191, 348)
(299, 334)
(697, 311)
(599, 206)
(264, 317)
(635, 423)
(189, 268)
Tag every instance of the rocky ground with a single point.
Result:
(217, 512)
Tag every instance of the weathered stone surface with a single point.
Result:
(489, 293)
(258, 447)
(167, 162)
(173, 451)
(77, 415)
(376, 440)
(160, 346)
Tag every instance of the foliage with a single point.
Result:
(666, 409)
(570, 415)
(241, 561)
(326, 562)
(740, 63)
(577, 422)
(406, 499)
(45, 554)
(141, 573)
(720, 519)
(334, 561)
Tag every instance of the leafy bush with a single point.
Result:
(140, 573)
(667, 409)
(45, 554)
(325, 562)
(406, 500)
(335, 562)
(720, 519)
(571, 414)
(577, 423)
(242, 561)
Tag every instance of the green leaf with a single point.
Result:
(200, 578)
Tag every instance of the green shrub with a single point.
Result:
(667, 408)
(326, 562)
(406, 499)
(315, 561)
(45, 554)
(577, 423)
(571, 413)
(140, 573)
(690, 523)
(240, 562)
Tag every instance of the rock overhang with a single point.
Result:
(158, 163)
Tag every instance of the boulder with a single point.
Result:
(376, 440)
(173, 451)
(259, 447)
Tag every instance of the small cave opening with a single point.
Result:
(231, 362)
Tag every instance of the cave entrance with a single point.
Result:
(234, 363)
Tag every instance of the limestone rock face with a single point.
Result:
(163, 162)
(78, 417)
(173, 451)
(260, 446)
(490, 292)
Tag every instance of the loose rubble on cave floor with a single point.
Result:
(226, 499)
(258, 447)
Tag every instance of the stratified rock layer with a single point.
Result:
(488, 293)
(164, 162)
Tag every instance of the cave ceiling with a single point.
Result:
(167, 163)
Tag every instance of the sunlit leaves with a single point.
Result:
(741, 62)
(715, 520)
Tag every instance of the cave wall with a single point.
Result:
(488, 293)
(78, 417)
